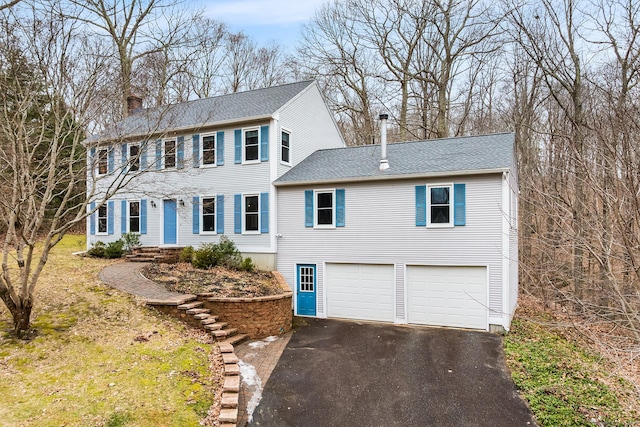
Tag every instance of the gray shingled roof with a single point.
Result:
(202, 112)
(419, 158)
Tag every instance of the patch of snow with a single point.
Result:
(263, 343)
(254, 385)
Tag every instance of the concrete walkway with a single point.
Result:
(126, 276)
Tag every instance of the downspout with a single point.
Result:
(384, 163)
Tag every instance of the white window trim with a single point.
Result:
(129, 157)
(287, 131)
(129, 215)
(333, 208)
(164, 151)
(215, 215)
(106, 153)
(106, 217)
(451, 210)
(244, 225)
(215, 150)
(244, 150)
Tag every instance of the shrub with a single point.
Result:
(131, 240)
(247, 264)
(223, 253)
(186, 254)
(111, 250)
(204, 257)
(97, 249)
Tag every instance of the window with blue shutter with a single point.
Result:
(195, 216)
(220, 213)
(237, 213)
(143, 216)
(123, 216)
(92, 217)
(180, 152)
(158, 159)
(264, 212)
(340, 208)
(459, 204)
(421, 205)
(237, 146)
(195, 139)
(308, 208)
(264, 143)
(110, 209)
(111, 159)
(220, 148)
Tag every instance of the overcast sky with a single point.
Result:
(265, 20)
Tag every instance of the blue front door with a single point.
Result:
(306, 289)
(170, 222)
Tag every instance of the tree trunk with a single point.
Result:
(22, 317)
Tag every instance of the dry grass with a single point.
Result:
(100, 358)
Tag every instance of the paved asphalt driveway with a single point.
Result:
(340, 373)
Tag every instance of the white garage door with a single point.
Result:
(360, 291)
(447, 296)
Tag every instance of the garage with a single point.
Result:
(360, 291)
(447, 296)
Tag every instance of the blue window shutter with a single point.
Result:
(196, 215)
(421, 205)
(340, 208)
(123, 216)
(143, 216)
(220, 214)
(308, 208)
(180, 152)
(93, 153)
(110, 208)
(237, 213)
(196, 150)
(143, 156)
(237, 145)
(111, 159)
(92, 218)
(459, 204)
(158, 155)
(264, 212)
(123, 150)
(264, 143)
(220, 148)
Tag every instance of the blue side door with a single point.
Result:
(170, 222)
(306, 289)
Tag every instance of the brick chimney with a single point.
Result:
(134, 104)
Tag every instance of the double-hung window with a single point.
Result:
(208, 215)
(439, 206)
(170, 154)
(102, 220)
(251, 213)
(325, 208)
(209, 150)
(102, 161)
(134, 217)
(251, 145)
(134, 158)
(285, 148)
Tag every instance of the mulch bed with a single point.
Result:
(220, 281)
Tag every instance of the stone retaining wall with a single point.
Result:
(258, 317)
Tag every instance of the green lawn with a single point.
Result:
(101, 357)
(565, 383)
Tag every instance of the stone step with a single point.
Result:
(229, 358)
(231, 383)
(235, 339)
(224, 333)
(211, 319)
(201, 316)
(191, 305)
(231, 369)
(148, 249)
(215, 326)
(140, 259)
(225, 347)
(228, 415)
(198, 311)
(230, 400)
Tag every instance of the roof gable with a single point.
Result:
(241, 106)
(470, 154)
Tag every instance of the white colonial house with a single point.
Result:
(421, 232)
